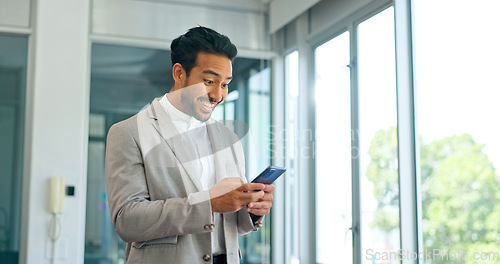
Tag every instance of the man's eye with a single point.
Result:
(209, 82)
(225, 85)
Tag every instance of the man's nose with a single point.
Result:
(215, 94)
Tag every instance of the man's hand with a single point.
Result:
(264, 204)
(230, 195)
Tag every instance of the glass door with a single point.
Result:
(124, 80)
(378, 141)
(13, 67)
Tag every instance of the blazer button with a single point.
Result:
(206, 227)
(212, 226)
(207, 257)
(258, 224)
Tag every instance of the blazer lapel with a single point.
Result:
(179, 143)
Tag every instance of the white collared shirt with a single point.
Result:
(204, 165)
(183, 123)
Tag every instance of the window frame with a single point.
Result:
(408, 156)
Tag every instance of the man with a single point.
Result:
(175, 178)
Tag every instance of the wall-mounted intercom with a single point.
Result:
(57, 193)
(56, 207)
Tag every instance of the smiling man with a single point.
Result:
(175, 178)
(203, 87)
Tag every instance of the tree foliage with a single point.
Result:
(460, 192)
(383, 172)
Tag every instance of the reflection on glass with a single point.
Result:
(123, 81)
(257, 245)
(218, 112)
(333, 159)
(13, 63)
(227, 109)
(457, 88)
(126, 79)
(259, 120)
(378, 153)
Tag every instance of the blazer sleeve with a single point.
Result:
(248, 222)
(135, 217)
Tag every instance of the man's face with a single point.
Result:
(206, 86)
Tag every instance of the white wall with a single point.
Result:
(329, 12)
(284, 11)
(56, 127)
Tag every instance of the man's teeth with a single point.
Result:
(208, 105)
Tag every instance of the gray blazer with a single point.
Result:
(156, 201)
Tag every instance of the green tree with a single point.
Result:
(460, 198)
(383, 172)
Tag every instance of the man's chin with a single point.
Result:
(203, 117)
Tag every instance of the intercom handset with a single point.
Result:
(57, 193)
(56, 206)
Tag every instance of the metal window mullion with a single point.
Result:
(278, 157)
(306, 123)
(355, 165)
(28, 134)
(409, 192)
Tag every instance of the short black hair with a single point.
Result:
(185, 48)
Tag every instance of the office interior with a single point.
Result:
(382, 111)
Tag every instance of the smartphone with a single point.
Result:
(269, 175)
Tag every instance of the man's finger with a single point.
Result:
(267, 197)
(269, 188)
(259, 212)
(249, 196)
(260, 205)
(252, 187)
(224, 186)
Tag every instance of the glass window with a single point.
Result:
(457, 88)
(256, 246)
(259, 121)
(123, 81)
(227, 109)
(292, 144)
(378, 144)
(13, 65)
(133, 77)
(333, 151)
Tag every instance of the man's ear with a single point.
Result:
(178, 73)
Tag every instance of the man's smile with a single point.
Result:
(207, 106)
